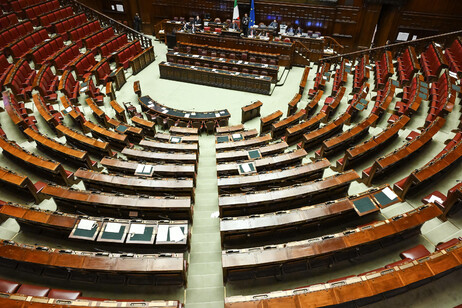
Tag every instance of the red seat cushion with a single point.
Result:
(414, 253)
(447, 244)
(33, 290)
(7, 286)
(64, 294)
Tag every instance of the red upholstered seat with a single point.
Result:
(31, 290)
(414, 253)
(447, 244)
(7, 286)
(64, 294)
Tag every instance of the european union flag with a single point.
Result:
(252, 14)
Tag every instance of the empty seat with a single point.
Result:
(31, 290)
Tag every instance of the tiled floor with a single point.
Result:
(205, 282)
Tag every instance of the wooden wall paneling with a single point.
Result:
(369, 17)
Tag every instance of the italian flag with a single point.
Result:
(236, 10)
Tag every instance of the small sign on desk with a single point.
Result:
(221, 139)
(144, 170)
(247, 168)
(121, 128)
(237, 137)
(254, 154)
(365, 206)
(175, 139)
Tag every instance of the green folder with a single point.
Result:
(364, 205)
(383, 199)
(113, 235)
(145, 237)
(221, 139)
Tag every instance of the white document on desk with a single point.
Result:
(162, 232)
(137, 229)
(113, 227)
(176, 234)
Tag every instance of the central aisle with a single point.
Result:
(205, 279)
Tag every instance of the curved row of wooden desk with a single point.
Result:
(119, 205)
(287, 197)
(365, 288)
(271, 260)
(245, 230)
(122, 268)
(265, 163)
(135, 233)
(281, 177)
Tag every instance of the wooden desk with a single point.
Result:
(216, 77)
(220, 116)
(119, 205)
(266, 163)
(149, 128)
(304, 79)
(347, 138)
(224, 130)
(236, 136)
(243, 144)
(277, 226)
(267, 122)
(52, 170)
(306, 254)
(454, 198)
(20, 183)
(295, 133)
(167, 170)
(84, 142)
(385, 163)
(142, 60)
(69, 226)
(240, 65)
(273, 148)
(134, 184)
(430, 171)
(140, 155)
(169, 269)
(368, 287)
(251, 111)
(51, 120)
(368, 147)
(282, 177)
(167, 146)
(77, 117)
(311, 106)
(286, 197)
(285, 50)
(311, 139)
(167, 138)
(292, 108)
(178, 130)
(278, 128)
(71, 155)
(19, 300)
(118, 141)
(119, 110)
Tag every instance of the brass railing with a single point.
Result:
(419, 45)
(105, 20)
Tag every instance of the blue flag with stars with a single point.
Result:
(252, 14)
